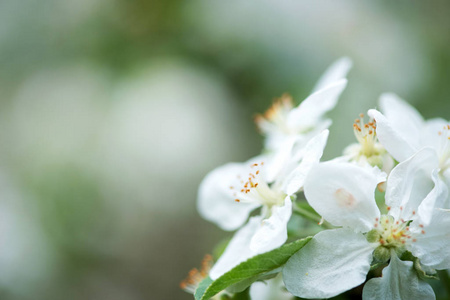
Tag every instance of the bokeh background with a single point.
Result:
(111, 112)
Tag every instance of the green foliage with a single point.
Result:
(424, 272)
(200, 291)
(250, 270)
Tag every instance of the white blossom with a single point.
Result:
(287, 127)
(337, 260)
(403, 132)
(230, 193)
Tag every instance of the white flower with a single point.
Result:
(337, 260)
(230, 193)
(368, 152)
(403, 132)
(286, 127)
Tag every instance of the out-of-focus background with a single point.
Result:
(111, 112)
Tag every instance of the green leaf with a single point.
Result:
(424, 272)
(253, 267)
(204, 284)
(242, 285)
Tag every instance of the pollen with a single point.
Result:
(276, 114)
(255, 189)
(251, 183)
(393, 233)
(366, 136)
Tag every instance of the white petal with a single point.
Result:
(216, 202)
(430, 133)
(399, 282)
(446, 179)
(313, 151)
(435, 199)
(343, 194)
(333, 262)
(272, 289)
(238, 250)
(410, 182)
(273, 231)
(403, 117)
(393, 140)
(433, 245)
(336, 71)
(278, 160)
(312, 109)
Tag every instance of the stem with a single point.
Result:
(311, 216)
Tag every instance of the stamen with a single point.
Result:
(366, 136)
(256, 190)
(276, 115)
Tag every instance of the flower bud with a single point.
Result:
(382, 254)
(373, 236)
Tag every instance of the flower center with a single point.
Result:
(275, 118)
(368, 149)
(366, 136)
(392, 233)
(255, 189)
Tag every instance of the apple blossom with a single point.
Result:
(287, 127)
(230, 193)
(337, 260)
(403, 132)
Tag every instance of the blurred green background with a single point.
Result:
(111, 112)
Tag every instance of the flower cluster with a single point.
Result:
(384, 204)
